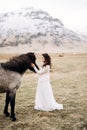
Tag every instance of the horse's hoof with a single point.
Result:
(14, 119)
(7, 114)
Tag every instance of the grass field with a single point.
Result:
(69, 84)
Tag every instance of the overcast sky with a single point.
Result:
(73, 13)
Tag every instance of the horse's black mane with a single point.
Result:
(18, 64)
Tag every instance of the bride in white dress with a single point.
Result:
(45, 100)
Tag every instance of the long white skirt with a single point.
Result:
(45, 100)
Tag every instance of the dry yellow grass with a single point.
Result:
(69, 83)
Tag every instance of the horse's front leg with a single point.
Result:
(6, 105)
(12, 96)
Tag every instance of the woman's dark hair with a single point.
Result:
(47, 59)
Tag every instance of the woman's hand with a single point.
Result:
(32, 65)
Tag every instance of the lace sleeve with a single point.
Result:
(41, 71)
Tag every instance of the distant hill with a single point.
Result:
(83, 31)
(29, 26)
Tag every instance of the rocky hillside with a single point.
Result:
(28, 26)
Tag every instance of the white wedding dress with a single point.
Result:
(44, 96)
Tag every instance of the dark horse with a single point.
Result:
(10, 78)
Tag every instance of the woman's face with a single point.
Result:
(43, 59)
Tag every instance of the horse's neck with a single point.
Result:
(16, 68)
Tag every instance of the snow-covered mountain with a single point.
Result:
(29, 25)
(83, 31)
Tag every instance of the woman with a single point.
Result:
(44, 96)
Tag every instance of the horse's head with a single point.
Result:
(32, 59)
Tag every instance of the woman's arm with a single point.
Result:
(41, 71)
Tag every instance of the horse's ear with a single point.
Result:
(31, 56)
(30, 53)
